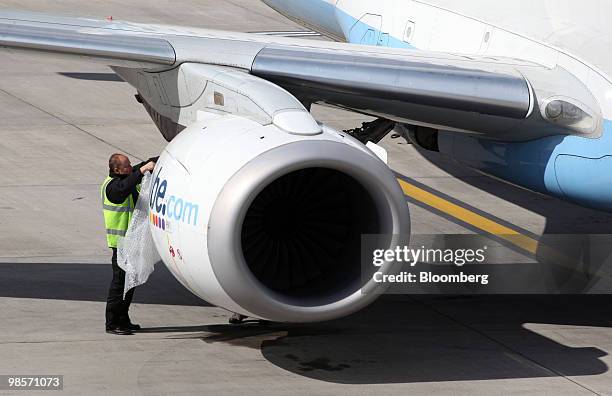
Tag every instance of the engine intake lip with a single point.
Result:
(227, 217)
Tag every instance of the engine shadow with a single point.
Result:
(87, 282)
(403, 339)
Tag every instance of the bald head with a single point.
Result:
(119, 164)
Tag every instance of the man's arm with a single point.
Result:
(118, 190)
(141, 164)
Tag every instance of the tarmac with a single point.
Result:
(60, 120)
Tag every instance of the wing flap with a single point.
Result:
(403, 80)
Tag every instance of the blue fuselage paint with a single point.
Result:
(318, 15)
(568, 167)
(357, 32)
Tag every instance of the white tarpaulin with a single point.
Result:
(136, 252)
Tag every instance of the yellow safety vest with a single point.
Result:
(116, 216)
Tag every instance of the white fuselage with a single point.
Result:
(570, 34)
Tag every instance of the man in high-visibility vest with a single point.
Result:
(119, 194)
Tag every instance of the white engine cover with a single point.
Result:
(204, 182)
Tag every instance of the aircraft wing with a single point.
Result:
(488, 96)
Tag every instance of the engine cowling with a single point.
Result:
(267, 223)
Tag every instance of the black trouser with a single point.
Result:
(116, 307)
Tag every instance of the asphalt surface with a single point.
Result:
(59, 122)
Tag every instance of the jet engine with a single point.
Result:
(267, 223)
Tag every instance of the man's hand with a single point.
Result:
(149, 166)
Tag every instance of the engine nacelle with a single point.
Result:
(266, 223)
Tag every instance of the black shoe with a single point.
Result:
(127, 324)
(132, 326)
(119, 331)
(237, 318)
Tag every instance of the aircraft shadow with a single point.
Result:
(403, 339)
(87, 282)
(398, 339)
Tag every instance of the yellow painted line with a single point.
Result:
(467, 216)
